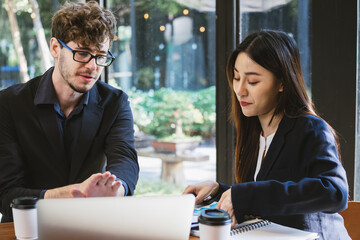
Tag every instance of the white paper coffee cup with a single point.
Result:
(25, 218)
(214, 224)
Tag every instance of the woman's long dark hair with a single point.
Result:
(277, 52)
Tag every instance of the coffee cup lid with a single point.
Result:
(214, 217)
(24, 203)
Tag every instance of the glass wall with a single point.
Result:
(165, 62)
(20, 55)
(291, 16)
(165, 52)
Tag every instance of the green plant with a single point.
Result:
(180, 138)
(163, 111)
(205, 101)
(145, 78)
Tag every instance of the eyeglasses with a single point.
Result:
(85, 57)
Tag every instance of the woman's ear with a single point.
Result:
(281, 87)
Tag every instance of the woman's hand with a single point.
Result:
(202, 190)
(225, 203)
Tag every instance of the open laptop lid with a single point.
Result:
(145, 218)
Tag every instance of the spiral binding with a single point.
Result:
(249, 227)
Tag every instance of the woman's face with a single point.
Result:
(256, 88)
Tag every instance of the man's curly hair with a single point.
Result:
(84, 23)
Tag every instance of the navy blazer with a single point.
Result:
(32, 155)
(301, 182)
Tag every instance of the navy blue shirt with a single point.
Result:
(70, 126)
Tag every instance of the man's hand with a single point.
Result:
(97, 185)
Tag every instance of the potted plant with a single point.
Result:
(177, 142)
(168, 115)
(174, 111)
(175, 120)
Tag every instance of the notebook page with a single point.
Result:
(273, 231)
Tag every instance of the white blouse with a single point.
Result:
(263, 148)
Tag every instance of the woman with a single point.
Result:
(287, 165)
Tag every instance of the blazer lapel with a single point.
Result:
(92, 115)
(47, 118)
(44, 109)
(276, 145)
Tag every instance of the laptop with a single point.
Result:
(130, 218)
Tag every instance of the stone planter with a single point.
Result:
(143, 141)
(175, 146)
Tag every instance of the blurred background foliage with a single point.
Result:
(146, 187)
(156, 112)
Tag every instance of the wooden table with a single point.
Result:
(351, 219)
(172, 168)
(7, 232)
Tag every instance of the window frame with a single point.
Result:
(334, 61)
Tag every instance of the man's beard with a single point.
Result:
(76, 89)
(66, 76)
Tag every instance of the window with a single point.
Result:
(23, 51)
(236, 19)
(166, 64)
(290, 16)
(148, 61)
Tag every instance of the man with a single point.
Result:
(59, 132)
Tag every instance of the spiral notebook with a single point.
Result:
(263, 229)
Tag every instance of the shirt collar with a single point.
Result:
(45, 93)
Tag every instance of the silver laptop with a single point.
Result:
(145, 218)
